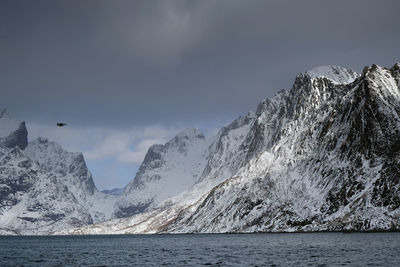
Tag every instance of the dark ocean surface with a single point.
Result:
(303, 249)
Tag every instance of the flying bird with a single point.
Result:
(61, 124)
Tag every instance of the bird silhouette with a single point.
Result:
(61, 124)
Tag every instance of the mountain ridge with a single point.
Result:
(321, 156)
(317, 157)
(44, 188)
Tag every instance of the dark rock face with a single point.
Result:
(82, 173)
(153, 158)
(386, 189)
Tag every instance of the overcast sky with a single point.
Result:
(127, 74)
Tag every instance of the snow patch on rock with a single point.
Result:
(336, 74)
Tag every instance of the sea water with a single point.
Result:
(302, 249)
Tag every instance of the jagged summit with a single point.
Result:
(12, 132)
(383, 82)
(44, 188)
(53, 158)
(184, 139)
(166, 171)
(336, 74)
(189, 133)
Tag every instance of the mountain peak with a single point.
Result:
(336, 74)
(189, 133)
(12, 132)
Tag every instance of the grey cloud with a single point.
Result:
(123, 63)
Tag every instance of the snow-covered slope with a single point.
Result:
(71, 169)
(44, 188)
(323, 155)
(334, 166)
(166, 171)
(336, 74)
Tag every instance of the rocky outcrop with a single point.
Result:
(12, 133)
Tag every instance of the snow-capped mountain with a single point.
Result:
(335, 74)
(323, 155)
(166, 171)
(334, 169)
(44, 188)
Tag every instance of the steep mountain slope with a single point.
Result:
(70, 168)
(220, 158)
(321, 156)
(189, 158)
(334, 166)
(44, 188)
(166, 171)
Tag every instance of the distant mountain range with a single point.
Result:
(322, 156)
(44, 188)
